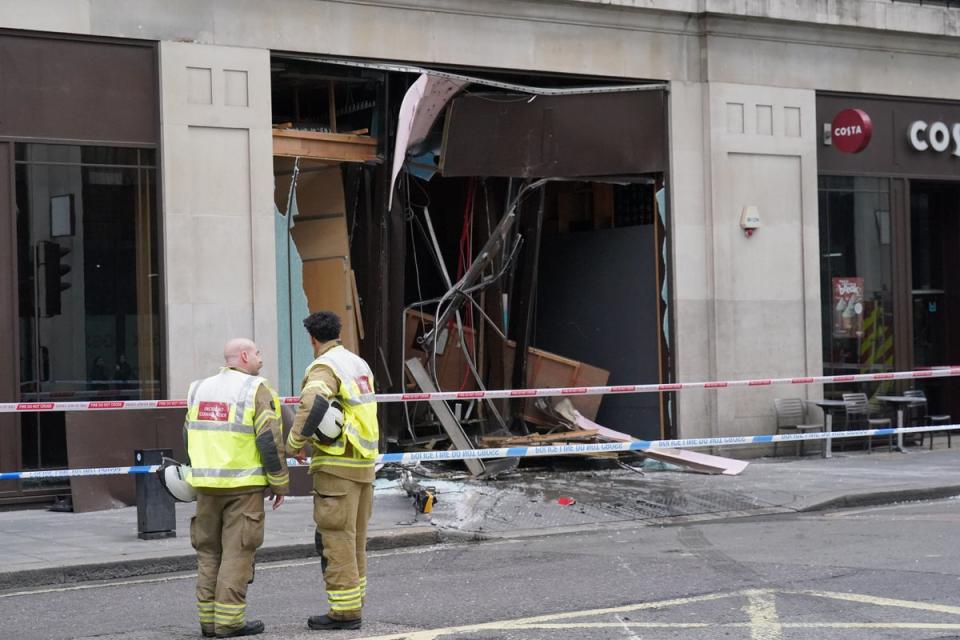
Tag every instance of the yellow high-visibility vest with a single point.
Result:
(221, 433)
(359, 411)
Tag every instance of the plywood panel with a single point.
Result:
(320, 192)
(321, 238)
(324, 146)
(326, 283)
(544, 369)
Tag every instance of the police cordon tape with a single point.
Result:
(117, 405)
(524, 452)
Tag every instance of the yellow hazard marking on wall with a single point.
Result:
(762, 620)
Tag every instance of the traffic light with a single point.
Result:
(53, 272)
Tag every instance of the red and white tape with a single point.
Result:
(117, 405)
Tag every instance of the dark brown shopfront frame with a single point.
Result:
(75, 91)
(892, 156)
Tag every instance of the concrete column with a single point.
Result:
(218, 234)
(746, 307)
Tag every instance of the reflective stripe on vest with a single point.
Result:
(221, 433)
(359, 406)
(341, 461)
(355, 435)
(226, 473)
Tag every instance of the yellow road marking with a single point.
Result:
(762, 610)
(546, 626)
(523, 623)
(763, 622)
(877, 600)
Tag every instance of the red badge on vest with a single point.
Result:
(364, 383)
(213, 411)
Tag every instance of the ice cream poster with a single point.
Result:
(848, 307)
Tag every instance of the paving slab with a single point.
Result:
(39, 546)
(45, 547)
(528, 504)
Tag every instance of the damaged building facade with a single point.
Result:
(492, 194)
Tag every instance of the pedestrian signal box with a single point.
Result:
(54, 270)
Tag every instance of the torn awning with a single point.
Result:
(422, 105)
(555, 125)
(487, 82)
(573, 136)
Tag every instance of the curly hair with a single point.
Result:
(323, 326)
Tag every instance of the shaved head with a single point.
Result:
(242, 354)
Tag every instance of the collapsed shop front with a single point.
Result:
(528, 214)
(889, 231)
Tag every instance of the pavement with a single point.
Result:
(41, 547)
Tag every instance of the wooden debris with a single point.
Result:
(700, 462)
(342, 147)
(447, 420)
(537, 439)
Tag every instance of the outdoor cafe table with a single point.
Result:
(828, 407)
(901, 402)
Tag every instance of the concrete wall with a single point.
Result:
(745, 307)
(764, 42)
(887, 15)
(766, 288)
(219, 254)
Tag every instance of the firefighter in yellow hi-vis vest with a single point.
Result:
(234, 441)
(338, 417)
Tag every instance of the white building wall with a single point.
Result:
(766, 287)
(745, 307)
(219, 262)
(692, 239)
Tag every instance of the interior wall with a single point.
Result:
(219, 248)
(597, 303)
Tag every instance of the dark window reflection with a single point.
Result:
(87, 245)
(856, 275)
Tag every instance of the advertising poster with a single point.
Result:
(848, 307)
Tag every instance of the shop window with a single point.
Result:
(89, 278)
(856, 275)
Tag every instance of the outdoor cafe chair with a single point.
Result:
(792, 416)
(928, 418)
(860, 415)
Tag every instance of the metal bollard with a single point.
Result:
(156, 512)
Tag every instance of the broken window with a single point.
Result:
(529, 223)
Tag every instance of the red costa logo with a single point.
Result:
(851, 131)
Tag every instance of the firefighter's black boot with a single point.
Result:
(319, 623)
(251, 628)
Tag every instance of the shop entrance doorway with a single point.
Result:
(935, 284)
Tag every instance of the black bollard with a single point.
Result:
(156, 511)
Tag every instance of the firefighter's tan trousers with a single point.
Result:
(226, 533)
(341, 510)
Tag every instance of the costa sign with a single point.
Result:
(936, 136)
(851, 131)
